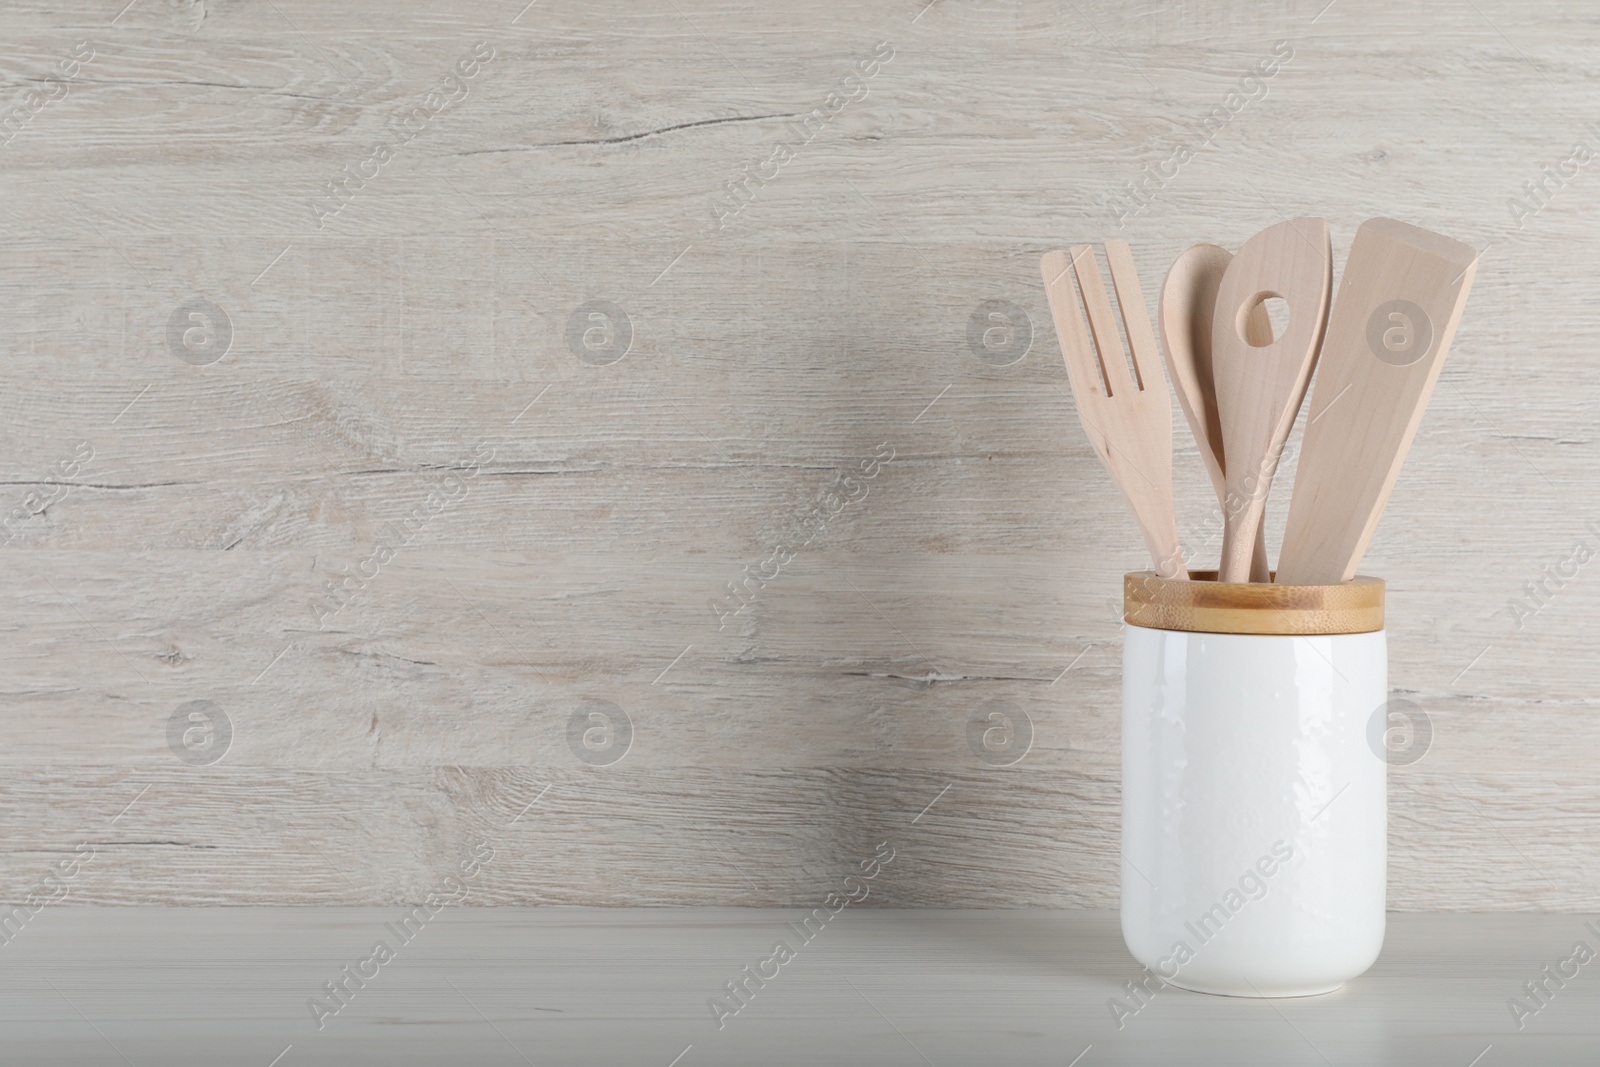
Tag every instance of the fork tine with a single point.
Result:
(1076, 347)
(1135, 313)
(1102, 321)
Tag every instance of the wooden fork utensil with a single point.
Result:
(1126, 412)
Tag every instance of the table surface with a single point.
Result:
(631, 986)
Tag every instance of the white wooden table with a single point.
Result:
(543, 986)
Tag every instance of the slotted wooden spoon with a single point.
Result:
(1188, 299)
(1260, 387)
(1128, 417)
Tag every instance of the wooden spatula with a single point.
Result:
(1259, 387)
(1400, 299)
(1188, 299)
(1128, 417)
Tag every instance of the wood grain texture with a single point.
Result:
(1400, 301)
(1187, 308)
(882, 289)
(1127, 417)
(1205, 605)
(1259, 387)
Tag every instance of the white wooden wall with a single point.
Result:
(585, 515)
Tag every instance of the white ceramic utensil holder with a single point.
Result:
(1254, 814)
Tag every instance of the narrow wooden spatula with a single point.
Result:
(1400, 299)
(1259, 387)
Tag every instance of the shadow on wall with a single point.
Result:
(927, 649)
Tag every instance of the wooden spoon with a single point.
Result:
(1260, 387)
(1400, 298)
(1188, 299)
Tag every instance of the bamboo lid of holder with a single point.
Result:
(1205, 605)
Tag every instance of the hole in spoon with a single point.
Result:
(1263, 319)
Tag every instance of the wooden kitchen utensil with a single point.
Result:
(1128, 417)
(1400, 299)
(1259, 387)
(1188, 299)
